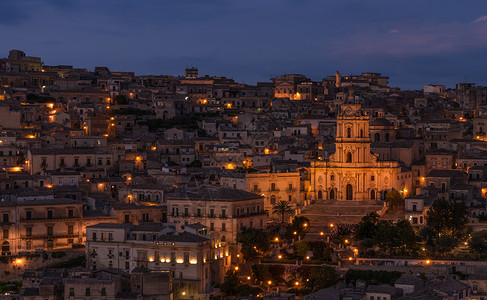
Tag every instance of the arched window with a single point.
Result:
(377, 137)
(361, 133)
(387, 136)
(273, 200)
(349, 157)
(320, 195)
(372, 178)
(349, 132)
(372, 195)
(349, 192)
(273, 186)
(5, 247)
(332, 177)
(332, 194)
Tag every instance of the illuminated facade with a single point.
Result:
(353, 173)
(195, 259)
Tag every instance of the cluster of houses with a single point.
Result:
(162, 172)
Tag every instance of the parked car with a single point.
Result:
(40, 251)
(24, 252)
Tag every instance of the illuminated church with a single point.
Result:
(353, 173)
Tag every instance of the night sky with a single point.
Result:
(415, 42)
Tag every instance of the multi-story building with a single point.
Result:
(353, 173)
(40, 224)
(221, 209)
(195, 258)
(52, 159)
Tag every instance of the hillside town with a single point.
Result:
(125, 186)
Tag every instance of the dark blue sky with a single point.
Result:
(415, 42)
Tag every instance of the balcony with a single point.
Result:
(53, 219)
(47, 236)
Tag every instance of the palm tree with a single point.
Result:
(282, 208)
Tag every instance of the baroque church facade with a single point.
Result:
(353, 173)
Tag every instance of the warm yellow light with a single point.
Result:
(331, 225)
(113, 124)
(238, 255)
(51, 105)
(112, 118)
(355, 250)
(427, 262)
(129, 178)
(184, 293)
(305, 224)
(279, 256)
(296, 283)
(266, 151)
(151, 259)
(31, 136)
(18, 261)
(276, 239)
(248, 277)
(346, 241)
(295, 233)
(138, 158)
(49, 185)
(350, 258)
(229, 105)
(108, 107)
(307, 257)
(179, 261)
(269, 282)
(16, 169)
(230, 166)
(153, 148)
(236, 268)
(322, 233)
(193, 261)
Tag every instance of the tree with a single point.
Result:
(231, 284)
(447, 217)
(478, 241)
(437, 216)
(393, 198)
(282, 208)
(321, 277)
(406, 235)
(458, 218)
(253, 240)
(301, 249)
(367, 227)
(384, 236)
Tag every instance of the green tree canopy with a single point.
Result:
(282, 208)
(478, 241)
(393, 198)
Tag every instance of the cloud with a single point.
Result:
(409, 39)
(481, 19)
